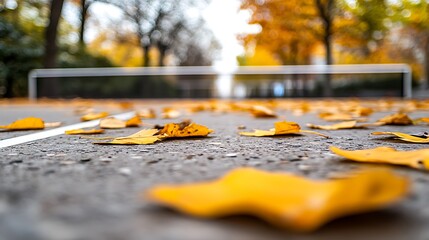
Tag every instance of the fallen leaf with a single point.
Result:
(84, 131)
(112, 123)
(416, 158)
(421, 120)
(281, 128)
(94, 116)
(327, 116)
(184, 129)
(406, 137)
(29, 123)
(395, 119)
(260, 111)
(171, 130)
(284, 200)
(145, 136)
(133, 122)
(169, 113)
(338, 126)
(53, 124)
(146, 113)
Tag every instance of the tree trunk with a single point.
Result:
(162, 54)
(50, 87)
(325, 13)
(426, 63)
(84, 6)
(9, 85)
(146, 58)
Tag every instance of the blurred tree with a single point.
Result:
(287, 29)
(163, 25)
(51, 45)
(414, 15)
(83, 6)
(19, 53)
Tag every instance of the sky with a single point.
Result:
(223, 17)
(226, 21)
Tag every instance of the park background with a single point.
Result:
(149, 33)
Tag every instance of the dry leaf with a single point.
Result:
(53, 124)
(112, 123)
(133, 122)
(396, 119)
(284, 200)
(145, 136)
(328, 116)
(416, 159)
(421, 120)
(184, 129)
(338, 126)
(169, 113)
(94, 116)
(146, 113)
(171, 130)
(406, 137)
(29, 123)
(260, 111)
(281, 128)
(84, 131)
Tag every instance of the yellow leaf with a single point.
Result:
(94, 116)
(112, 123)
(146, 113)
(286, 128)
(133, 122)
(84, 131)
(416, 159)
(133, 141)
(421, 120)
(336, 116)
(341, 125)
(281, 128)
(145, 136)
(184, 129)
(284, 200)
(29, 123)
(260, 111)
(405, 137)
(142, 133)
(169, 113)
(396, 119)
(53, 124)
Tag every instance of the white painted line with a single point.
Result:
(57, 131)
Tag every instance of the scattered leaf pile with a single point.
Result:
(284, 200)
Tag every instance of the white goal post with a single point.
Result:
(403, 69)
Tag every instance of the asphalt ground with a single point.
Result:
(67, 188)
